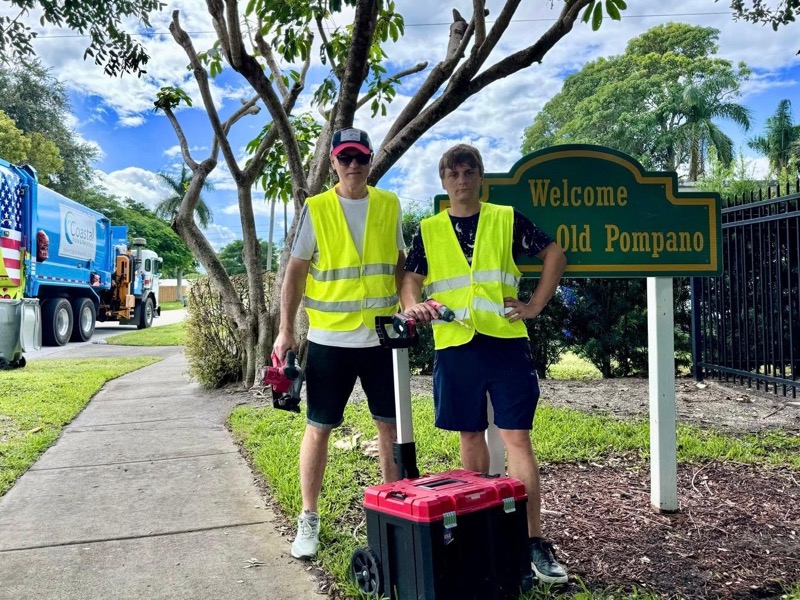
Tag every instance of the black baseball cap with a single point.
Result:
(351, 137)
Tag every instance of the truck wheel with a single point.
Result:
(84, 316)
(56, 322)
(146, 314)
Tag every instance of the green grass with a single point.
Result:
(162, 335)
(572, 366)
(171, 305)
(37, 401)
(272, 438)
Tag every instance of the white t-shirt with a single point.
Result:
(305, 248)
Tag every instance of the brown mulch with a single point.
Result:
(737, 534)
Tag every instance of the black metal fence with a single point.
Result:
(746, 323)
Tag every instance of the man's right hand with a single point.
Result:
(422, 312)
(284, 342)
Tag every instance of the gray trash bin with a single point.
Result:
(20, 331)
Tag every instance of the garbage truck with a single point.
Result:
(64, 267)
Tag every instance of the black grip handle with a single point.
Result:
(290, 369)
(381, 325)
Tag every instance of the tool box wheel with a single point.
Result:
(365, 569)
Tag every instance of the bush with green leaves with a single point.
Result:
(213, 345)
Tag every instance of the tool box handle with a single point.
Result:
(435, 484)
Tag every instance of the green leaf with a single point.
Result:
(621, 4)
(612, 10)
(587, 14)
(597, 17)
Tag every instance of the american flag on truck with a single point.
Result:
(11, 225)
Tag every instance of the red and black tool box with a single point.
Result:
(459, 535)
(456, 535)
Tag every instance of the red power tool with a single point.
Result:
(405, 326)
(286, 380)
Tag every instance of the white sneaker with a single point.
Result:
(307, 540)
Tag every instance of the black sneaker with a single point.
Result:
(544, 563)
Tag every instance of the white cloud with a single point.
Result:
(133, 182)
(219, 236)
(175, 151)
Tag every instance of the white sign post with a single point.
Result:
(497, 451)
(663, 432)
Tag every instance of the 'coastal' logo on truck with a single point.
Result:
(78, 235)
(75, 233)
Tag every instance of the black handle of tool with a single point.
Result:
(381, 324)
(290, 368)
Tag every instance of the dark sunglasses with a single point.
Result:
(347, 159)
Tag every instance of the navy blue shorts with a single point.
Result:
(462, 375)
(331, 374)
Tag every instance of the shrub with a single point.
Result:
(213, 347)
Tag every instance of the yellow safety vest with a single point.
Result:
(475, 293)
(344, 291)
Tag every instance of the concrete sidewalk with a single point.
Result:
(145, 496)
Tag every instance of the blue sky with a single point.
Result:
(134, 142)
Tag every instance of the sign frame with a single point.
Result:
(606, 160)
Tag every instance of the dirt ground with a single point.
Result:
(726, 407)
(737, 533)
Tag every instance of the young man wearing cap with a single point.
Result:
(464, 258)
(346, 263)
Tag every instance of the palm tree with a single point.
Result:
(702, 102)
(168, 207)
(781, 138)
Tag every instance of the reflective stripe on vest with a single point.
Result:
(474, 292)
(343, 290)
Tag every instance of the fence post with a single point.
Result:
(697, 337)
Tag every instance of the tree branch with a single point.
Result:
(201, 76)
(248, 108)
(251, 172)
(479, 18)
(455, 95)
(431, 85)
(480, 53)
(394, 78)
(269, 56)
(185, 152)
(216, 9)
(355, 70)
(234, 30)
(327, 46)
(533, 54)
(320, 164)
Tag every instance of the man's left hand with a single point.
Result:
(517, 309)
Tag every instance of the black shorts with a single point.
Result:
(331, 374)
(462, 376)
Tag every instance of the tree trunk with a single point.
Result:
(271, 229)
(179, 276)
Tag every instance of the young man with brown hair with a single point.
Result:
(464, 258)
(346, 263)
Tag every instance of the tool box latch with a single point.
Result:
(449, 519)
(509, 505)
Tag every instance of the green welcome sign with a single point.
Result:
(611, 217)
